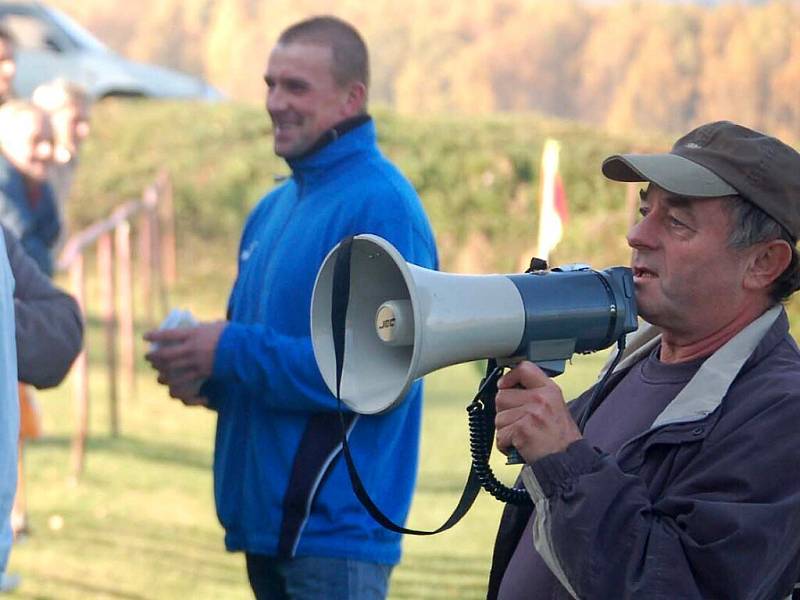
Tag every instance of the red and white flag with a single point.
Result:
(553, 213)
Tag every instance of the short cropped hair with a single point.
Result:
(750, 226)
(350, 56)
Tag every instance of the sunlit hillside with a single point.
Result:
(631, 65)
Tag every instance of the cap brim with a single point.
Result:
(670, 172)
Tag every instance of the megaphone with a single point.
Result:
(404, 321)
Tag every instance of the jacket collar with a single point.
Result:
(335, 132)
(337, 144)
(641, 342)
(706, 390)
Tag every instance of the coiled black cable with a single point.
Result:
(481, 413)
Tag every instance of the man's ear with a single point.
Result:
(768, 261)
(356, 98)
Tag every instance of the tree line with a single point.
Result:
(626, 65)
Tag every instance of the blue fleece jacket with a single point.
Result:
(280, 483)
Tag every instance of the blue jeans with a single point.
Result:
(313, 578)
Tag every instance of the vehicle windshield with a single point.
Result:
(79, 35)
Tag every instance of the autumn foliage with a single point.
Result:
(626, 65)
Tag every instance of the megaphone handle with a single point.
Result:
(513, 457)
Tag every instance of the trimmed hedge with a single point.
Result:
(477, 177)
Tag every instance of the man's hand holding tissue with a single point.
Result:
(184, 358)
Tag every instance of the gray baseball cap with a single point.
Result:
(722, 159)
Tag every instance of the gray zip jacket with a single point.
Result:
(705, 504)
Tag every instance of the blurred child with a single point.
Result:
(68, 106)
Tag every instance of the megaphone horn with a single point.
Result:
(404, 321)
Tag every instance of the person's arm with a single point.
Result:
(280, 369)
(711, 536)
(39, 252)
(49, 328)
(724, 524)
(184, 359)
(13, 219)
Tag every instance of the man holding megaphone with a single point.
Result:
(282, 491)
(683, 482)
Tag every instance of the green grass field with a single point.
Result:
(141, 522)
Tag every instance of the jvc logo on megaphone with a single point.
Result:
(394, 323)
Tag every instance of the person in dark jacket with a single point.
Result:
(49, 334)
(682, 483)
(28, 213)
(48, 329)
(48, 322)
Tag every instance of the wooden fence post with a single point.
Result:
(167, 206)
(157, 259)
(105, 275)
(115, 275)
(125, 288)
(145, 264)
(80, 377)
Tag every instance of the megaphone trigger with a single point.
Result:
(514, 458)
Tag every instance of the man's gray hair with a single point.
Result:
(750, 226)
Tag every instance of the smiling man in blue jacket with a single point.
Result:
(281, 487)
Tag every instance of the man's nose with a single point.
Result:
(642, 234)
(276, 100)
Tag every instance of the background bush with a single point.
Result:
(478, 179)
